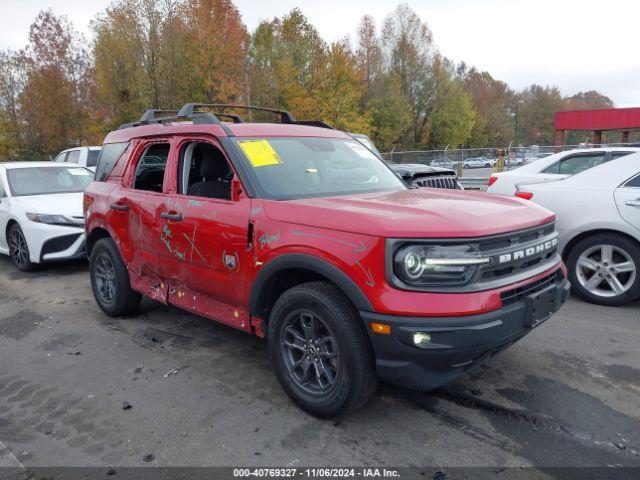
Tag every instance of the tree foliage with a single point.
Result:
(392, 83)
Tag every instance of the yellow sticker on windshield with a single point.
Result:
(260, 153)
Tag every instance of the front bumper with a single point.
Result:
(457, 343)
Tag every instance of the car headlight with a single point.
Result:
(425, 265)
(52, 219)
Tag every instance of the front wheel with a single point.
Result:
(110, 280)
(320, 350)
(19, 249)
(603, 269)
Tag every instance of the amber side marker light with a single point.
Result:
(381, 328)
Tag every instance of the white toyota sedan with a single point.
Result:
(554, 167)
(598, 222)
(41, 216)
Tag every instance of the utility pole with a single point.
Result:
(515, 130)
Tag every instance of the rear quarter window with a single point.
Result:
(109, 155)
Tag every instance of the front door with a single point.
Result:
(205, 237)
(142, 203)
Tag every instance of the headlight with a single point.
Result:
(52, 219)
(437, 265)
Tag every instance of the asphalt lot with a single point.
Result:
(566, 395)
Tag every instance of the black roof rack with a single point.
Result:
(191, 108)
(190, 111)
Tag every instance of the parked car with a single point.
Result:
(554, 167)
(443, 162)
(479, 162)
(299, 234)
(41, 216)
(83, 156)
(599, 228)
(416, 174)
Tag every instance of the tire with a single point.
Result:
(464, 165)
(110, 280)
(589, 251)
(19, 250)
(348, 357)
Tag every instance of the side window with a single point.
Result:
(73, 157)
(92, 157)
(576, 164)
(109, 155)
(204, 172)
(634, 182)
(149, 173)
(2, 192)
(61, 157)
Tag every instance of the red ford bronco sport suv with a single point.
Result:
(297, 232)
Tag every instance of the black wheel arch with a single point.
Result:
(286, 271)
(93, 236)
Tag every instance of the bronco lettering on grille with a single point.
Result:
(528, 252)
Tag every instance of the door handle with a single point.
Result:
(176, 217)
(118, 207)
(633, 203)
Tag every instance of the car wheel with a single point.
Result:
(487, 165)
(464, 165)
(603, 269)
(110, 280)
(19, 250)
(320, 350)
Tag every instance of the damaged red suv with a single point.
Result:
(296, 232)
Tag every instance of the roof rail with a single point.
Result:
(153, 113)
(191, 108)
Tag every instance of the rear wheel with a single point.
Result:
(19, 250)
(110, 280)
(603, 269)
(320, 350)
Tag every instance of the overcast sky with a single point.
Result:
(577, 45)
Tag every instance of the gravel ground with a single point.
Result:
(568, 395)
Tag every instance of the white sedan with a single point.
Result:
(479, 162)
(83, 156)
(598, 223)
(554, 167)
(41, 216)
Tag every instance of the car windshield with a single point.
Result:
(304, 167)
(45, 180)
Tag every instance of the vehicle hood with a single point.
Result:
(414, 213)
(67, 204)
(411, 170)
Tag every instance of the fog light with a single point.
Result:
(421, 339)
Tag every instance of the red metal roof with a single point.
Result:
(605, 119)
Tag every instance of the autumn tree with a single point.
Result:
(493, 101)
(286, 64)
(409, 51)
(536, 110)
(54, 101)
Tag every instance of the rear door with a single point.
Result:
(206, 258)
(628, 200)
(4, 212)
(140, 204)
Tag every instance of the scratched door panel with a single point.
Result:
(206, 253)
(144, 239)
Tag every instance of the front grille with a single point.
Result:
(511, 243)
(449, 182)
(515, 295)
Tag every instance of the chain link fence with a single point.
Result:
(468, 161)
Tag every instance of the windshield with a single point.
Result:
(304, 167)
(44, 180)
